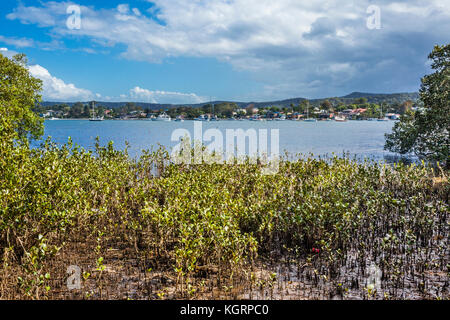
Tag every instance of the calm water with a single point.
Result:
(363, 139)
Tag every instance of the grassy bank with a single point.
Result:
(154, 230)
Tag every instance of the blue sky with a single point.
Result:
(184, 51)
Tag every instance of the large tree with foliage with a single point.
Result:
(426, 131)
(326, 105)
(19, 93)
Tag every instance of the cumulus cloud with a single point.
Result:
(17, 42)
(145, 95)
(28, 43)
(7, 53)
(123, 8)
(55, 89)
(291, 47)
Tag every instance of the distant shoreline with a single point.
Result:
(264, 120)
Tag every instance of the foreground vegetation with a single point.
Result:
(151, 229)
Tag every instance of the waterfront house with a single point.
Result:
(48, 114)
(392, 116)
(297, 116)
(325, 115)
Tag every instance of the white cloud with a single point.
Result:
(8, 53)
(55, 89)
(145, 95)
(137, 12)
(284, 43)
(17, 42)
(28, 43)
(123, 8)
(138, 94)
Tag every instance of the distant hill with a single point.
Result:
(356, 95)
(371, 98)
(382, 97)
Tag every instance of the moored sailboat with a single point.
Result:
(94, 117)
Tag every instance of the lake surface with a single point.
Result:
(363, 139)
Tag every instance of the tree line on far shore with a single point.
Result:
(81, 110)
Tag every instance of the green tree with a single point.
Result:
(77, 110)
(426, 132)
(326, 105)
(19, 94)
(207, 108)
(303, 106)
(66, 109)
(360, 101)
(225, 109)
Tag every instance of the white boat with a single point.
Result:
(94, 117)
(340, 119)
(163, 117)
(203, 117)
(179, 119)
(53, 118)
(97, 119)
(282, 118)
(213, 117)
(308, 119)
(382, 117)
